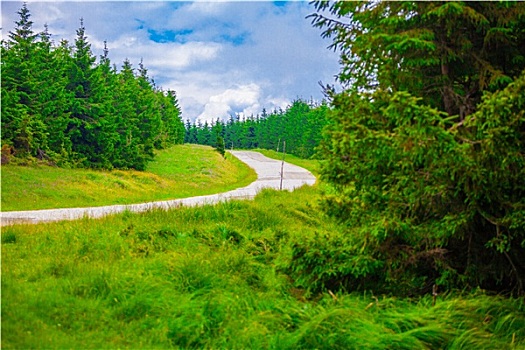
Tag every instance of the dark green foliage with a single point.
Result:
(448, 53)
(219, 146)
(424, 151)
(21, 65)
(58, 105)
(426, 200)
(300, 126)
(493, 179)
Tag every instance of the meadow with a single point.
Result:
(218, 277)
(177, 172)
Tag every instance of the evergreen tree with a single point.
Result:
(59, 106)
(219, 145)
(300, 123)
(427, 175)
(84, 127)
(22, 126)
(53, 101)
(446, 52)
(101, 99)
(172, 121)
(129, 148)
(187, 131)
(204, 134)
(148, 109)
(217, 128)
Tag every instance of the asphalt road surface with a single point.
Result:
(268, 176)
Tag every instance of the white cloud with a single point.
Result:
(208, 8)
(278, 102)
(172, 56)
(243, 97)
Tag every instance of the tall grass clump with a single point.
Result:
(220, 276)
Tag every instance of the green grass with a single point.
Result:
(213, 277)
(313, 165)
(178, 172)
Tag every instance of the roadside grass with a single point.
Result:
(178, 172)
(212, 277)
(312, 165)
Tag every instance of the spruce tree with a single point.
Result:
(59, 106)
(22, 125)
(426, 174)
(84, 125)
(446, 52)
(53, 99)
(172, 121)
(219, 145)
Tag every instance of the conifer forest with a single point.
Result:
(63, 105)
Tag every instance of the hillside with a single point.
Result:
(178, 172)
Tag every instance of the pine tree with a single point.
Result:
(187, 131)
(84, 125)
(53, 102)
(219, 145)
(22, 125)
(173, 123)
(58, 105)
(446, 52)
(129, 148)
(426, 175)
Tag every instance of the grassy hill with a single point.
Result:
(178, 172)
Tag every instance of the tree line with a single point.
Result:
(300, 125)
(62, 106)
(424, 150)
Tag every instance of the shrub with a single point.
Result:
(430, 199)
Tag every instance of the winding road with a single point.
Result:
(268, 176)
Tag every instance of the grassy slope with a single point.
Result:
(178, 172)
(310, 164)
(211, 277)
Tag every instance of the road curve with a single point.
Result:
(268, 176)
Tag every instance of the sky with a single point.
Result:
(221, 57)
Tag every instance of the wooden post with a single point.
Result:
(282, 166)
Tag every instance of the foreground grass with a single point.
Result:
(212, 277)
(178, 172)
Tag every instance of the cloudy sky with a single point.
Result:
(221, 58)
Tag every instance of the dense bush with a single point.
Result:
(426, 200)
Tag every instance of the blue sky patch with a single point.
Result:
(236, 40)
(280, 3)
(169, 36)
(140, 23)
